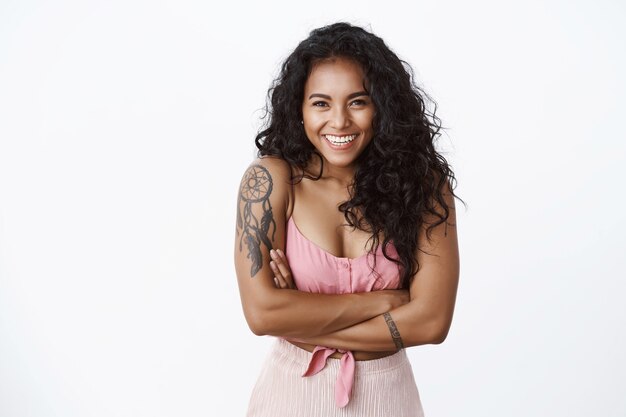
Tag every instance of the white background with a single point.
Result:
(125, 127)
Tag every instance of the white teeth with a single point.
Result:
(340, 140)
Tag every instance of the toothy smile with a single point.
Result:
(340, 140)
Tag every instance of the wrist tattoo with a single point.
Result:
(395, 334)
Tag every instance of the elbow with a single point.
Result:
(428, 331)
(257, 322)
(259, 311)
(257, 328)
(266, 316)
(439, 337)
(439, 332)
(265, 320)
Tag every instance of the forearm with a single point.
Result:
(416, 327)
(298, 314)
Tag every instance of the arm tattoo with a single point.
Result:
(256, 187)
(395, 334)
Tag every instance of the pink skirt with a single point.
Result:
(383, 387)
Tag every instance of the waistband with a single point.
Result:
(346, 367)
(300, 356)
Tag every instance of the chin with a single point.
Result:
(340, 161)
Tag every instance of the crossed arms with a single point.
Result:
(375, 321)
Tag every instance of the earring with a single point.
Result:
(301, 122)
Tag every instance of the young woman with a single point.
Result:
(346, 247)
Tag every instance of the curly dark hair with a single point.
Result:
(399, 177)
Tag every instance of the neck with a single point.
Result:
(341, 175)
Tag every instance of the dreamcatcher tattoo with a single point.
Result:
(256, 187)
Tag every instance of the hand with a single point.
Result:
(282, 272)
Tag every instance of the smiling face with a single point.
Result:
(337, 111)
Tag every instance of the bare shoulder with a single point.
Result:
(267, 177)
(278, 167)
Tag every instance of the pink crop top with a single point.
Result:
(318, 271)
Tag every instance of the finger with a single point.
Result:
(287, 279)
(278, 278)
(279, 257)
(285, 275)
(280, 283)
(283, 267)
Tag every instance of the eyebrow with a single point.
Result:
(350, 96)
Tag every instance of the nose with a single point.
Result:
(339, 118)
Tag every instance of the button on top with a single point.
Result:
(345, 264)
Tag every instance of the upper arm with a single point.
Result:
(262, 204)
(435, 284)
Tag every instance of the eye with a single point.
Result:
(319, 104)
(358, 102)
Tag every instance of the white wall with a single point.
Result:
(125, 127)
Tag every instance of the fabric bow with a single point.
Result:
(345, 379)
